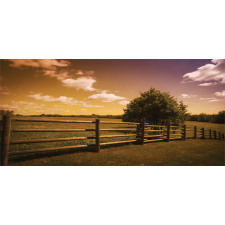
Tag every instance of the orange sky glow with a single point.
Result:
(76, 87)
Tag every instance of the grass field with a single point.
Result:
(174, 153)
(88, 158)
(207, 126)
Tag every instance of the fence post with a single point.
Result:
(97, 132)
(142, 132)
(5, 139)
(168, 132)
(219, 135)
(184, 134)
(203, 133)
(214, 134)
(195, 132)
(210, 134)
(138, 133)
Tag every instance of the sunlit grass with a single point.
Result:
(174, 153)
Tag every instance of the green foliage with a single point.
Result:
(155, 107)
(6, 112)
(203, 117)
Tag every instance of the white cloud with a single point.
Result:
(59, 69)
(38, 63)
(124, 102)
(17, 105)
(207, 84)
(209, 72)
(81, 83)
(220, 94)
(79, 72)
(105, 97)
(50, 67)
(210, 99)
(59, 75)
(187, 96)
(62, 99)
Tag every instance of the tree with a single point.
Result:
(220, 117)
(6, 112)
(155, 107)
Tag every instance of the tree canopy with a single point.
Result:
(155, 107)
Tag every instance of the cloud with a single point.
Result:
(14, 105)
(187, 96)
(59, 69)
(209, 72)
(210, 99)
(59, 75)
(81, 83)
(62, 99)
(38, 63)
(79, 72)
(207, 84)
(89, 72)
(220, 94)
(124, 102)
(51, 67)
(105, 97)
(85, 73)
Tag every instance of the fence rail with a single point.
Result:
(142, 133)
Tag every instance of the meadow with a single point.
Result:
(125, 155)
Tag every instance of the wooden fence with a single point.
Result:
(142, 133)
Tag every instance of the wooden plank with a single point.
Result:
(48, 149)
(5, 139)
(176, 139)
(51, 130)
(106, 122)
(111, 136)
(118, 142)
(175, 131)
(155, 140)
(118, 130)
(52, 121)
(152, 131)
(49, 140)
(149, 136)
(153, 126)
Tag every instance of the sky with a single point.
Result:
(106, 86)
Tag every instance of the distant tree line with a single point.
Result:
(7, 112)
(84, 116)
(212, 118)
